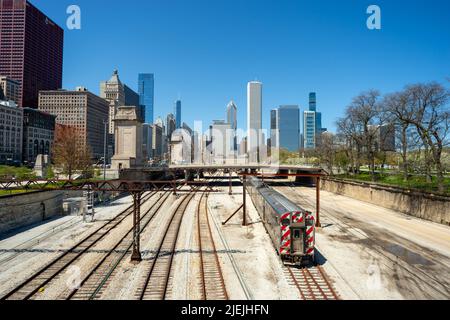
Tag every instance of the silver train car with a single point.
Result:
(291, 228)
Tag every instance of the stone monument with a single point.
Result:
(128, 138)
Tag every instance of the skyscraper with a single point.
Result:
(31, 50)
(309, 129)
(289, 128)
(113, 91)
(274, 128)
(232, 120)
(118, 94)
(221, 141)
(312, 102)
(178, 113)
(171, 125)
(232, 115)
(254, 120)
(146, 83)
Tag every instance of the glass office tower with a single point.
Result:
(146, 83)
(309, 129)
(289, 128)
(312, 102)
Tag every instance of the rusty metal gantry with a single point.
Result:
(135, 188)
(138, 187)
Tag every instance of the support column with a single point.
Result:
(230, 192)
(244, 194)
(136, 255)
(318, 224)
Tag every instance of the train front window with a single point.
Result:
(285, 222)
(296, 234)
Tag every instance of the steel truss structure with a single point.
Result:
(136, 188)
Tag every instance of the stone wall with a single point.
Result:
(426, 206)
(17, 211)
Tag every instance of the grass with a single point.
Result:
(19, 173)
(11, 192)
(414, 182)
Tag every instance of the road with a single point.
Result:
(379, 253)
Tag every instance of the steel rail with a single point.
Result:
(216, 270)
(179, 214)
(312, 286)
(111, 224)
(123, 253)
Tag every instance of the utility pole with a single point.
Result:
(105, 123)
(244, 195)
(318, 224)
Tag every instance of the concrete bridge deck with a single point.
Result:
(265, 167)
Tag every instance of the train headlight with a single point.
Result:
(286, 222)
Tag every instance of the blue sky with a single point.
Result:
(207, 50)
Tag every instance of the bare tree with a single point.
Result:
(428, 103)
(364, 121)
(326, 151)
(397, 110)
(347, 130)
(70, 151)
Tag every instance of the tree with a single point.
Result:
(70, 152)
(430, 116)
(361, 125)
(347, 130)
(327, 151)
(397, 110)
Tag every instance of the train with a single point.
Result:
(291, 228)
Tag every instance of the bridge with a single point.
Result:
(244, 167)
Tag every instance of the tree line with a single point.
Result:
(418, 115)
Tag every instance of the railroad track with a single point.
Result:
(7, 255)
(158, 272)
(312, 283)
(412, 270)
(37, 282)
(212, 281)
(94, 284)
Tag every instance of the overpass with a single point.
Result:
(244, 167)
(167, 172)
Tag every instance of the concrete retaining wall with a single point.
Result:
(426, 206)
(17, 211)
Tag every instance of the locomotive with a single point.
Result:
(291, 228)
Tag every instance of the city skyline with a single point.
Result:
(288, 78)
(125, 180)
